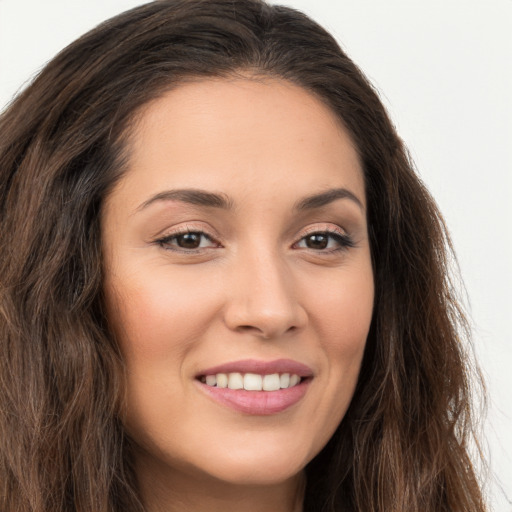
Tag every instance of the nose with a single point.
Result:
(263, 298)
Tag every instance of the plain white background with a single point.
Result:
(443, 68)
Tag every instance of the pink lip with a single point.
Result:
(259, 402)
(261, 367)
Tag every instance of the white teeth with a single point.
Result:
(235, 381)
(222, 380)
(294, 379)
(284, 380)
(271, 382)
(252, 381)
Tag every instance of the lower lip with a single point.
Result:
(260, 403)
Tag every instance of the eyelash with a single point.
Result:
(165, 241)
(343, 240)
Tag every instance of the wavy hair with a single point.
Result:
(64, 142)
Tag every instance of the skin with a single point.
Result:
(259, 286)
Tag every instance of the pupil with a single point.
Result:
(317, 241)
(189, 240)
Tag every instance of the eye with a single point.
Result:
(187, 241)
(325, 241)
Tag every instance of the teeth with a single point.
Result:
(271, 382)
(252, 381)
(284, 380)
(222, 380)
(235, 381)
(294, 379)
(211, 380)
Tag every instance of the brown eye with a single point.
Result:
(189, 240)
(317, 241)
(325, 241)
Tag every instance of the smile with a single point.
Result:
(251, 381)
(256, 387)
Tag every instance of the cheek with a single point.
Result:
(157, 322)
(156, 319)
(345, 323)
(341, 311)
(340, 315)
(347, 341)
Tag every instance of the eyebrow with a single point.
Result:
(327, 197)
(191, 196)
(215, 200)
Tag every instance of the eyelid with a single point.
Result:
(324, 228)
(344, 239)
(331, 229)
(187, 227)
(177, 231)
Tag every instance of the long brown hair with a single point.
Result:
(403, 444)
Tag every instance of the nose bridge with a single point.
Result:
(263, 298)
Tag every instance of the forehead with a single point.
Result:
(241, 135)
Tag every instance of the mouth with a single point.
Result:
(252, 381)
(257, 387)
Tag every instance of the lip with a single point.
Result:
(260, 403)
(260, 367)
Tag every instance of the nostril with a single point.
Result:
(249, 328)
(252, 329)
(265, 333)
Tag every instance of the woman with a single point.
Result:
(223, 286)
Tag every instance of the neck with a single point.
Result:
(167, 490)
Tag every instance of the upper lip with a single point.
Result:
(260, 367)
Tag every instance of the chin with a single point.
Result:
(246, 466)
(256, 474)
(256, 465)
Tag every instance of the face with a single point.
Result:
(238, 279)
